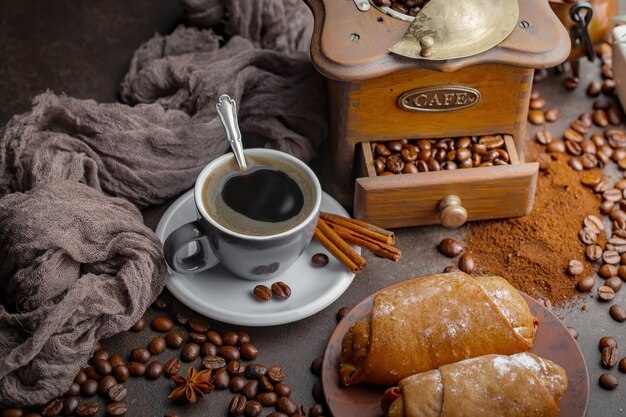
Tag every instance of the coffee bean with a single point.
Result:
(136, 369)
(610, 257)
(174, 339)
(162, 324)
(594, 223)
(262, 293)
(587, 236)
(593, 89)
(139, 325)
(190, 352)
(197, 338)
(382, 150)
(69, 406)
(243, 338)
(199, 324)
(583, 123)
(170, 414)
(213, 362)
(255, 371)
(575, 267)
(208, 349)
(92, 373)
(281, 290)
(157, 345)
(275, 374)
(248, 351)
(605, 293)
(221, 379)
(608, 87)
(576, 164)
(237, 405)
(606, 207)
(172, 366)
(607, 271)
(265, 385)
(556, 146)
(99, 354)
(466, 263)
(607, 341)
(536, 117)
(316, 366)
(87, 409)
(89, 388)
(282, 390)
(80, 377)
(615, 283)
(622, 365)
(155, 369)
(574, 138)
(214, 339)
(253, 409)
(235, 368)
(585, 284)
(537, 103)
(230, 338)
(105, 384)
(53, 408)
(341, 313)
(617, 313)
(236, 384)
(571, 83)
(394, 163)
(139, 354)
(320, 259)
(117, 409)
(608, 357)
(601, 187)
(600, 118)
(615, 115)
(450, 247)
(278, 413)
(552, 114)
(251, 389)
(316, 410)
(229, 353)
(267, 399)
(593, 252)
(608, 381)
(116, 360)
(117, 392)
(285, 405)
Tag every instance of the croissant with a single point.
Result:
(521, 385)
(432, 321)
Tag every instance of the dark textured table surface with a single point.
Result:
(83, 48)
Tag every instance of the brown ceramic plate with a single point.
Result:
(552, 341)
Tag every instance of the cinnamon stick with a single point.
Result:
(339, 248)
(361, 227)
(378, 248)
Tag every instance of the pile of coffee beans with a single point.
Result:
(538, 110)
(408, 7)
(609, 353)
(279, 290)
(453, 248)
(426, 155)
(228, 355)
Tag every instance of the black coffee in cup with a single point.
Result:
(270, 197)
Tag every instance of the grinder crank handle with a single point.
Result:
(581, 13)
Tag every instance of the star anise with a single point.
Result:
(191, 388)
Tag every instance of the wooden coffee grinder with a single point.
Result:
(455, 69)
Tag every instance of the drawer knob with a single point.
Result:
(451, 213)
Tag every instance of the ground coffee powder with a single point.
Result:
(533, 252)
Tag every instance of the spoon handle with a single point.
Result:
(227, 110)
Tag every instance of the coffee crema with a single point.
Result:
(270, 197)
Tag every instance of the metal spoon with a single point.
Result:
(227, 110)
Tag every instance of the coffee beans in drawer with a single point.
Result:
(427, 155)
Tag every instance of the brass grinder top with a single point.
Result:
(350, 45)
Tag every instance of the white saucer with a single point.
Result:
(220, 295)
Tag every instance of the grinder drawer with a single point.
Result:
(443, 196)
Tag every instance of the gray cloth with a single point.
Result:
(77, 264)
